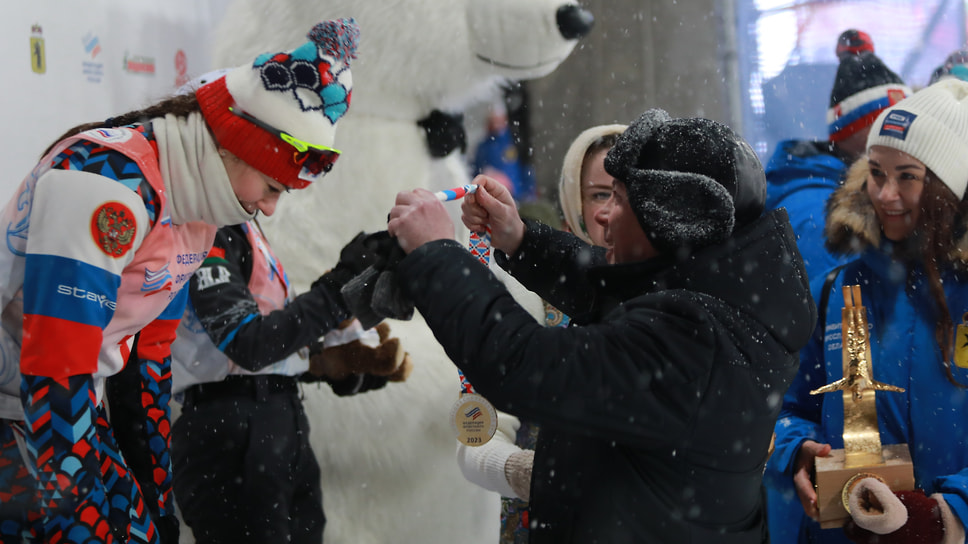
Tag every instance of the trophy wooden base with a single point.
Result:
(897, 471)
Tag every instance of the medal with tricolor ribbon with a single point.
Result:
(473, 418)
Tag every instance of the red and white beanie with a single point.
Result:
(932, 126)
(303, 92)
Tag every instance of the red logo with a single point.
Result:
(113, 228)
(181, 68)
(894, 96)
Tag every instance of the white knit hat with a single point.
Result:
(303, 92)
(932, 126)
(569, 186)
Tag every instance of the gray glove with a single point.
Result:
(375, 295)
(517, 470)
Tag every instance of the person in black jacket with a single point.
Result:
(657, 405)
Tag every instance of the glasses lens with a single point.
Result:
(316, 161)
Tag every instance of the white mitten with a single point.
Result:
(517, 470)
(486, 465)
(875, 507)
(881, 516)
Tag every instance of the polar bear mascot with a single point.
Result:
(388, 457)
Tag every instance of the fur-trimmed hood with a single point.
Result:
(852, 224)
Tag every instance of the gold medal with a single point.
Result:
(473, 419)
(961, 343)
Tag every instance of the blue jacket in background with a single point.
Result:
(498, 152)
(800, 176)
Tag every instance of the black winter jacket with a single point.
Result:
(657, 408)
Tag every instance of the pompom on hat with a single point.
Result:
(853, 42)
(955, 66)
(690, 181)
(279, 114)
(931, 126)
(862, 88)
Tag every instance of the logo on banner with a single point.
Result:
(138, 64)
(93, 70)
(92, 45)
(181, 68)
(38, 55)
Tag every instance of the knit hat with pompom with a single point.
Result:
(862, 88)
(297, 96)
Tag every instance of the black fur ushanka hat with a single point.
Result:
(690, 181)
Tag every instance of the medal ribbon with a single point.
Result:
(479, 246)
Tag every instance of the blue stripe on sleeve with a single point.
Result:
(69, 289)
(231, 336)
(176, 308)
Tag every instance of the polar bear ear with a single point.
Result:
(279, 113)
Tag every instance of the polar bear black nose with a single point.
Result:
(574, 22)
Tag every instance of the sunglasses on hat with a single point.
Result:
(314, 160)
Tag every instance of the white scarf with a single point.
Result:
(195, 179)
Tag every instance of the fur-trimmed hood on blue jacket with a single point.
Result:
(852, 224)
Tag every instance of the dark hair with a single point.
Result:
(178, 105)
(935, 236)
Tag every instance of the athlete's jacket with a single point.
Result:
(95, 260)
(91, 258)
(223, 299)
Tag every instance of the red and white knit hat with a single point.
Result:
(303, 92)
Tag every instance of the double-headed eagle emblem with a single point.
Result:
(113, 229)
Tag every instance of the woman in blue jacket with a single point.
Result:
(901, 213)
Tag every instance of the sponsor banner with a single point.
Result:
(38, 57)
(138, 64)
(95, 60)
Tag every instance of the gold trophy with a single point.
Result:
(863, 455)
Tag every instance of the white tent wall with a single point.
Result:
(75, 62)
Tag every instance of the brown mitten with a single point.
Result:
(354, 350)
(403, 371)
